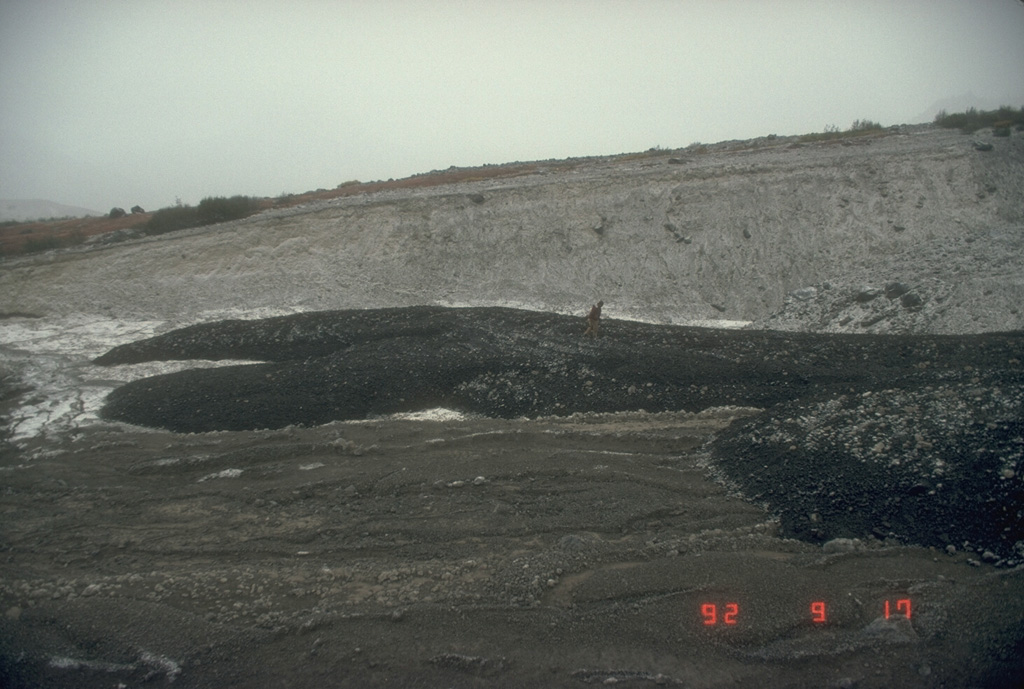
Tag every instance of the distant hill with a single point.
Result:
(38, 209)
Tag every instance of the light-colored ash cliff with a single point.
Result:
(910, 230)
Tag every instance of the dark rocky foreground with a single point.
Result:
(509, 548)
(561, 552)
(918, 438)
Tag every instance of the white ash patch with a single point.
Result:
(53, 357)
(436, 414)
(226, 473)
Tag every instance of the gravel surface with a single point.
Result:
(561, 552)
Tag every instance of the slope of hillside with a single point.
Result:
(728, 231)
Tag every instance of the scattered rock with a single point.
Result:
(911, 300)
(842, 545)
(572, 542)
(817, 460)
(894, 290)
(116, 236)
(474, 665)
(867, 294)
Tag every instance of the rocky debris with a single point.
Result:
(896, 289)
(842, 545)
(613, 677)
(805, 293)
(911, 300)
(473, 665)
(116, 236)
(912, 438)
(866, 294)
(932, 463)
(497, 362)
(936, 301)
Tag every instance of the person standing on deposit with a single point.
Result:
(594, 319)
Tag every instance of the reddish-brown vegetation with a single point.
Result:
(429, 179)
(25, 237)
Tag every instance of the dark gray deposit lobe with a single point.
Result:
(918, 438)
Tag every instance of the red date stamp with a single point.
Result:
(728, 614)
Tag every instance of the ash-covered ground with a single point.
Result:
(915, 438)
(566, 522)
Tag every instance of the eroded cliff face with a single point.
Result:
(734, 231)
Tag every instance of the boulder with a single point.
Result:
(911, 300)
(116, 212)
(894, 290)
(805, 293)
(866, 294)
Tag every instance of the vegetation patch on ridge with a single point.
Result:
(971, 120)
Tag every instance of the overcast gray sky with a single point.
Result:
(111, 103)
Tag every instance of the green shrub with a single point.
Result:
(172, 218)
(215, 209)
(972, 119)
(858, 128)
(211, 210)
(864, 126)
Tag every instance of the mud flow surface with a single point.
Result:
(813, 511)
